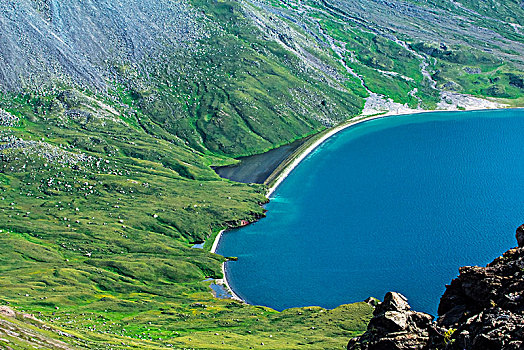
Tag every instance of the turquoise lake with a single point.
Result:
(393, 204)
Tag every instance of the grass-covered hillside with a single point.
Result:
(112, 113)
(98, 220)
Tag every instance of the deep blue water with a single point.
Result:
(394, 204)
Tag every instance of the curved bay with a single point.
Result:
(398, 203)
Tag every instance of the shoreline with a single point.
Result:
(223, 280)
(303, 154)
(215, 242)
(295, 159)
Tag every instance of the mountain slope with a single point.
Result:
(238, 78)
(112, 112)
(80, 40)
(217, 86)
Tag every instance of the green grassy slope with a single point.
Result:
(390, 61)
(237, 93)
(98, 218)
(103, 194)
(474, 72)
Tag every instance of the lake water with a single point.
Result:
(257, 168)
(394, 204)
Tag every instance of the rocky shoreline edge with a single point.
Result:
(481, 309)
(223, 281)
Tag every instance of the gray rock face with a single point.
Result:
(485, 305)
(7, 119)
(77, 39)
(470, 70)
(492, 329)
(445, 23)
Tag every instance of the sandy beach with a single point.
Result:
(223, 281)
(330, 132)
(215, 243)
(300, 157)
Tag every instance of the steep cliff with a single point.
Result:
(482, 309)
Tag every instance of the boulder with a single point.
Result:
(484, 306)
(394, 326)
(520, 236)
(7, 311)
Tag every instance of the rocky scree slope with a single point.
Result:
(491, 25)
(482, 309)
(79, 40)
(201, 70)
(23, 331)
(406, 54)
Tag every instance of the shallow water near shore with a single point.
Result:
(257, 168)
(393, 204)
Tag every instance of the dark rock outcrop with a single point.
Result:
(485, 305)
(482, 309)
(520, 236)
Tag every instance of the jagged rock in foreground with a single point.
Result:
(520, 236)
(482, 309)
(394, 326)
(486, 304)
